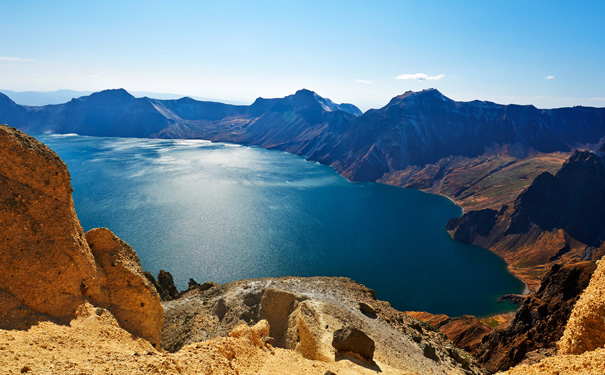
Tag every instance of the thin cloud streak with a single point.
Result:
(549, 77)
(6, 58)
(363, 81)
(420, 77)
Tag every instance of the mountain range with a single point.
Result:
(413, 129)
(481, 154)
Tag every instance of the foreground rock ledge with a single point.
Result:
(47, 269)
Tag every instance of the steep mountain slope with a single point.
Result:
(413, 129)
(421, 128)
(558, 217)
(297, 123)
(540, 321)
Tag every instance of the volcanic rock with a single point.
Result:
(132, 299)
(46, 266)
(351, 339)
(166, 281)
(540, 321)
(585, 330)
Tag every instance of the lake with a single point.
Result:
(223, 212)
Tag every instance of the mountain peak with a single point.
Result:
(310, 97)
(6, 100)
(304, 92)
(110, 96)
(425, 96)
(431, 92)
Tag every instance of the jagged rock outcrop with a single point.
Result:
(585, 330)
(166, 282)
(581, 347)
(164, 285)
(557, 218)
(131, 298)
(47, 267)
(540, 321)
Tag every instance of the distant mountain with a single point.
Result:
(42, 98)
(413, 129)
(420, 128)
(295, 120)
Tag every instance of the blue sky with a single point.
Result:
(349, 51)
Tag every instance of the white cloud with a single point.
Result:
(363, 81)
(549, 77)
(5, 58)
(421, 77)
(93, 76)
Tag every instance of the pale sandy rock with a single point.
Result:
(131, 298)
(254, 334)
(313, 339)
(94, 343)
(276, 307)
(46, 268)
(585, 330)
(588, 363)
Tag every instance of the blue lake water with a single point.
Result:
(224, 212)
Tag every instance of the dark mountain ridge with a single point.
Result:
(420, 128)
(557, 218)
(413, 129)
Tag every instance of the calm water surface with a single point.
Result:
(224, 212)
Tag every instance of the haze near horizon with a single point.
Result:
(542, 53)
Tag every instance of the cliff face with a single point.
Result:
(580, 349)
(540, 321)
(47, 266)
(558, 217)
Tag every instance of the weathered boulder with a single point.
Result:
(130, 297)
(46, 267)
(351, 339)
(367, 309)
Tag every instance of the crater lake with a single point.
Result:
(223, 212)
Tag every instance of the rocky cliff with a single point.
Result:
(557, 218)
(580, 349)
(306, 315)
(540, 321)
(48, 268)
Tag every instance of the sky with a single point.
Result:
(546, 53)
